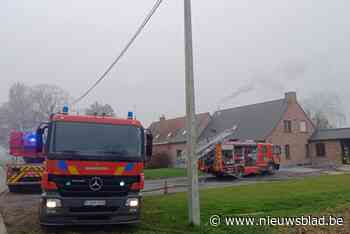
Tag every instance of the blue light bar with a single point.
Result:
(130, 115)
(29, 139)
(65, 109)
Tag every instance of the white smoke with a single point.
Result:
(274, 80)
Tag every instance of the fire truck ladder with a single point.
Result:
(205, 148)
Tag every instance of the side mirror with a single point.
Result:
(149, 145)
(39, 140)
(39, 137)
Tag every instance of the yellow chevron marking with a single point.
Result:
(23, 171)
(73, 170)
(18, 177)
(119, 170)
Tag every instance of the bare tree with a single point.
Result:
(48, 99)
(100, 109)
(325, 109)
(28, 106)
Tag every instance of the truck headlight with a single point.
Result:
(132, 202)
(53, 203)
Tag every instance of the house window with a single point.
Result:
(287, 151)
(302, 126)
(287, 126)
(320, 150)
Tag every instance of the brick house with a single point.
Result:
(170, 137)
(282, 122)
(330, 146)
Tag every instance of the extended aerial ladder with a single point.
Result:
(207, 147)
(223, 155)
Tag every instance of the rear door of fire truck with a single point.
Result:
(23, 174)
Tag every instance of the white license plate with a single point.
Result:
(95, 203)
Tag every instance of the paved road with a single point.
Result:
(179, 184)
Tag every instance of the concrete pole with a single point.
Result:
(192, 172)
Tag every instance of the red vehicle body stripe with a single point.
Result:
(72, 167)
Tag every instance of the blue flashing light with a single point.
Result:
(130, 115)
(30, 139)
(65, 109)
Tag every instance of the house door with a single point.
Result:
(346, 151)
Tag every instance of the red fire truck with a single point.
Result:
(240, 158)
(93, 169)
(25, 169)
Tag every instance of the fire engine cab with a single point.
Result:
(92, 170)
(240, 158)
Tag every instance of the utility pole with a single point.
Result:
(192, 171)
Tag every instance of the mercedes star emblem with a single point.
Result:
(95, 184)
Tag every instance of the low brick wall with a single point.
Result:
(333, 153)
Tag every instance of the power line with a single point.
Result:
(138, 31)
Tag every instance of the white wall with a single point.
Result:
(4, 156)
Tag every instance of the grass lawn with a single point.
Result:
(287, 198)
(328, 195)
(162, 173)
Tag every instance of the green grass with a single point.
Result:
(287, 198)
(162, 173)
(313, 195)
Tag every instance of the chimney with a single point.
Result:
(162, 118)
(291, 97)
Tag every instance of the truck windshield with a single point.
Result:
(96, 139)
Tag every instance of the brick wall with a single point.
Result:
(297, 140)
(333, 153)
(170, 150)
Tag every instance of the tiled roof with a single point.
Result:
(251, 122)
(331, 134)
(174, 130)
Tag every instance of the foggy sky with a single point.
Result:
(263, 47)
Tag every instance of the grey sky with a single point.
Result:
(267, 47)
